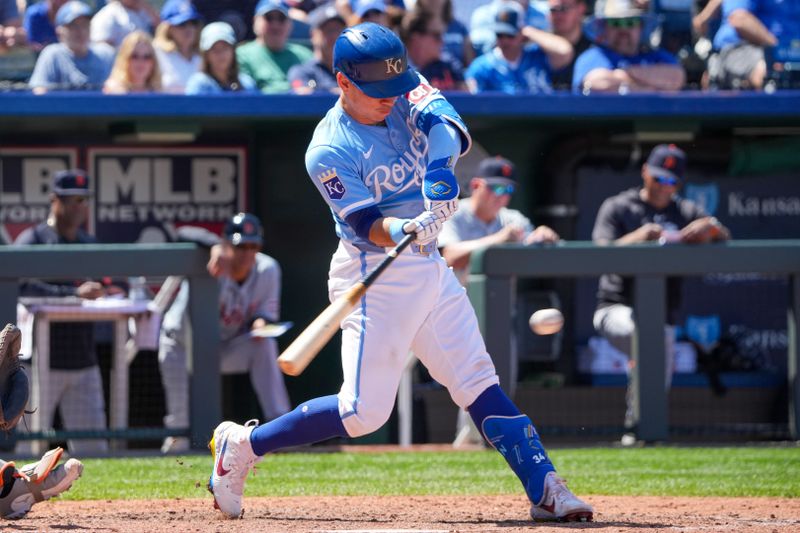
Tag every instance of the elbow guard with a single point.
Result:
(363, 219)
(441, 111)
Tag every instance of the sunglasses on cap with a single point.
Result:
(500, 189)
(628, 22)
(666, 180)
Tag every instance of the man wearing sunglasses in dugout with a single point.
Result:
(268, 58)
(653, 212)
(484, 218)
(619, 61)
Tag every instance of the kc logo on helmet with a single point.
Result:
(394, 65)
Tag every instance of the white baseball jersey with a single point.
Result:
(417, 304)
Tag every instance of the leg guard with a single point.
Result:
(517, 441)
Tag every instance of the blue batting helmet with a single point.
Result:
(243, 228)
(374, 59)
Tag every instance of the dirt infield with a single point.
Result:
(420, 514)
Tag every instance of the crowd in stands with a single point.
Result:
(510, 46)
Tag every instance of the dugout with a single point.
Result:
(571, 152)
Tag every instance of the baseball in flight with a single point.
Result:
(546, 321)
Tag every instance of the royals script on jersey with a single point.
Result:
(355, 166)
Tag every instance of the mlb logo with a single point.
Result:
(706, 196)
(333, 186)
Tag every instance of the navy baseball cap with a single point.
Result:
(497, 168)
(509, 19)
(267, 6)
(72, 182)
(243, 228)
(323, 14)
(667, 160)
(177, 12)
(70, 11)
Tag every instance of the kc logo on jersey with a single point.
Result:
(334, 187)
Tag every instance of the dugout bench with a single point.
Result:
(494, 272)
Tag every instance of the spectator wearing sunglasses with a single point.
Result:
(522, 60)
(484, 218)
(177, 44)
(136, 67)
(423, 36)
(268, 58)
(619, 62)
(481, 22)
(651, 213)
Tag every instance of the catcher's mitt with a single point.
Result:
(14, 386)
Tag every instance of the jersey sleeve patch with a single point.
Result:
(331, 183)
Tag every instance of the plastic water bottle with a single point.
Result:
(136, 288)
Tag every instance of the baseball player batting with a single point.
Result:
(382, 159)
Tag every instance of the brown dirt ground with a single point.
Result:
(413, 513)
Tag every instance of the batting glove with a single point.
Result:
(426, 226)
(443, 210)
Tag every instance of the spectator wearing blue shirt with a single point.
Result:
(749, 28)
(512, 66)
(316, 75)
(39, 23)
(481, 24)
(219, 71)
(74, 62)
(619, 63)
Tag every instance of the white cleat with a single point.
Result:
(37, 482)
(558, 503)
(233, 459)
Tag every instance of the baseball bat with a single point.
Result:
(308, 344)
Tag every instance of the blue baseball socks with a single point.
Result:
(313, 421)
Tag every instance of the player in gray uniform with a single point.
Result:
(382, 159)
(249, 298)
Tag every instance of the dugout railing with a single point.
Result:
(97, 261)
(494, 272)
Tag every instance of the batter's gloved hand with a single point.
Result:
(426, 225)
(440, 189)
(14, 386)
(35, 482)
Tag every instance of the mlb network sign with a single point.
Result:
(144, 194)
(26, 175)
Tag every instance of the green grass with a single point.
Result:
(761, 471)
